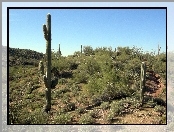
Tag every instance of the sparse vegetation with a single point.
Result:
(97, 86)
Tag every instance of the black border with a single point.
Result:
(8, 8)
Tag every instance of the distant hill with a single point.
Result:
(24, 57)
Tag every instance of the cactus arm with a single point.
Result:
(45, 32)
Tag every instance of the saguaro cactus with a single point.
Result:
(143, 81)
(81, 49)
(59, 52)
(47, 77)
(159, 48)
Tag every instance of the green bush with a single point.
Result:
(70, 107)
(115, 91)
(94, 86)
(62, 81)
(81, 110)
(160, 109)
(117, 108)
(63, 118)
(88, 50)
(75, 89)
(93, 113)
(105, 105)
(86, 119)
(37, 117)
(110, 116)
(86, 69)
(19, 115)
(80, 76)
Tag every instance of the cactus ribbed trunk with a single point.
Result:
(48, 90)
(47, 78)
(142, 82)
(47, 33)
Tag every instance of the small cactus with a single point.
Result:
(41, 68)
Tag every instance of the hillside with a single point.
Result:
(23, 57)
(99, 86)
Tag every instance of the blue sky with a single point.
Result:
(71, 28)
(94, 27)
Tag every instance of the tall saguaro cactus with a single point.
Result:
(143, 81)
(47, 76)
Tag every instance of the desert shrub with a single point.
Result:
(77, 54)
(14, 113)
(160, 67)
(82, 99)
(70, 107)
(133, 69)
(81, 110)
(66, 98)
(123, 106)
(86, 119)
(80, 76)
(63, 90)
(90, 66)
(133, 101)
(105, 105)
(75, 89)
(32, 87)
(115, 91)
(105, 62)
(150, 103)
(63, 118)
(41, 94)
(20, 115)
(73, 65)
(37, 117)
(99, 51)
(62, 81)
(88, 50)
(60, 63)
(93, 113)
(85, 70)
(117, 108)
(29, 96)
(94, 86)
(160, 109)
(58, 93)
(110, 116)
